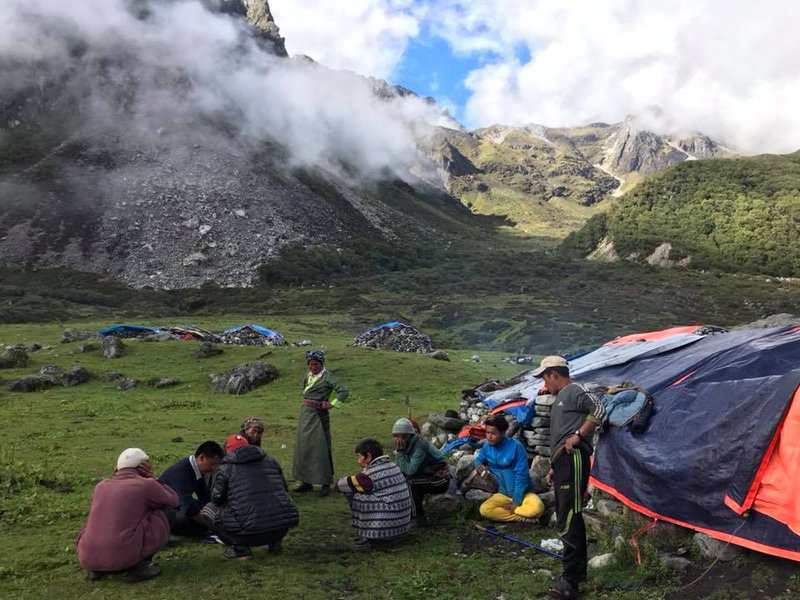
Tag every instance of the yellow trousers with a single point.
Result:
(494, 508)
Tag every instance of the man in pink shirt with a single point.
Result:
(127, 524)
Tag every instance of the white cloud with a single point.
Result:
(365, 36)
(729, 68)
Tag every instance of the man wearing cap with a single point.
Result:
(423, 465)
(573, 418)
(127, 524)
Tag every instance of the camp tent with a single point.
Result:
(722, 449)
(271, 336)
(128, 330)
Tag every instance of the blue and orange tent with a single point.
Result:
(722, 450)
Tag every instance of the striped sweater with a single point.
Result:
(380, 501)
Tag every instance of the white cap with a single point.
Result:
(548, 362)
(131, 458)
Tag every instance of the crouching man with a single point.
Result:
(188, 478)
(127, 523)
(250, 504)
(378, 496)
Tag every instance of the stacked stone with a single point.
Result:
(400, 338)
(247, 337)
(537, 436)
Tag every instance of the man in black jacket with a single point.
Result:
(250, 505)
(188, 478)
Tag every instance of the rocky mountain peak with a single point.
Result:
(259, 16)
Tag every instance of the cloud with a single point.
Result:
(729, 68)
(192, 73)
(365, 36)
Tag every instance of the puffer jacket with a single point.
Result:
(250, 489)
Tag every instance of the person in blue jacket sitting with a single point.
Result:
(507, 460)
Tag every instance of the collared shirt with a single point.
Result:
(311, 379)
(193, 462)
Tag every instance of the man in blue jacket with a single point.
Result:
(188, 478)
(507, 460)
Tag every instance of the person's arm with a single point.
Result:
(358, 483)
(339, 389)
(481, 462)
(160, 494)
(522, 477)
(219, 491)
(595, 414)
(410, 463)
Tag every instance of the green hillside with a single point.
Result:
(735, 215)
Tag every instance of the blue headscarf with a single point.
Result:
(317, 355)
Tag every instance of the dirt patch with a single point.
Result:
(474, 541)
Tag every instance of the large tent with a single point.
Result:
(721, 450)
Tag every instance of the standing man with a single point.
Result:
(187, 478)
(313, 458)
(573, 418)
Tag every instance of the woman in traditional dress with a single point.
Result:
(313, 460)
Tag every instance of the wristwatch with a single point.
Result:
(578, 433)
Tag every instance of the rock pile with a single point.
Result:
(247, 337)
(398, 337)
(50, 376)
(77, 335)
(244, 377)
(14, 357)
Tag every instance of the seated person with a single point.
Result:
(507, 460)
(378, 496)
(127, 523)
(251, 432)
(250, 504)
(188, 478)
(423, 465)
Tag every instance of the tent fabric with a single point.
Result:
(262, 330)
(124, 328)
(722, 404)
(653, 335)
(390, 324)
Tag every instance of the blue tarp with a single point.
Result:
(382, 325)
(276, 335)
(124, 328)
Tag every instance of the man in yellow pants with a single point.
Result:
(507, 460)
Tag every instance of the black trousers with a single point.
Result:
(262, 539)
(181, 524)
(420, 485)
(570, 478)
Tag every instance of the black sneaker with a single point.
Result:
(240, 552)
(324, 491)
(142, 572)
(303, 487)
(94, 575)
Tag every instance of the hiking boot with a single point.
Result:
(94, 575)
(142, 572)
(324, 491)
(303, 487)
(240, 552)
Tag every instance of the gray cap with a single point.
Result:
(403, 425)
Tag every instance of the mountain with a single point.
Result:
(736, 215)
(550, 180)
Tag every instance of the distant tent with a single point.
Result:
(128, 330)
(253, 331)
(722, 450)
(388, 325)
(191, 333)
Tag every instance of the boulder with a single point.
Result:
(163, 382)
(545, 400)
(31, 383)
(75, 375)
(716, 549)
(126, 383)
(440, 355)
(609, 508)
(676, 563)
(541, 422)
(34, 347)
(15, 357)
(438, 506)
(602, 560)
(464, 467)
(451, 424)
(207, 349)
(159, 336)
(244, 377)
(50, 370)
(428, 430)
(478, 496)
(112, 347)
(540, 466)
(76, 335)
(112, 377)
(87, 347)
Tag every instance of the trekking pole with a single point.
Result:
(407, 402)
(480, 527)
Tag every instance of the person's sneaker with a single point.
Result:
(324, 491)
(94, 575)
(240, 552)
(142, 572)
(275, 547)
(303, 487)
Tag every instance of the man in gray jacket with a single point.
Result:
(573, 418)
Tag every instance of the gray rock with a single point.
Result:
(477, 495)
(542, 450)
(50, 370)
(442, 505)
(602, 560)
(207, 350)
(541, 422)
(112, 347)
(545, 400)
(447, 423)
(163, 382)
(540, 466)
(428, 430)
(31, 383)
(548, 499)
(302, 343)
(464, 467)
(244, 377)
(440, 355)
(87, 347)
(34, 347)
(400, 338)
(475, 358)
(112, 377)
(14, 357)
(677, 563)
(126, 383)
(713, 548)
(608, 507)
(76, 335)
(535, 439)
(160, 336)
(75, 375)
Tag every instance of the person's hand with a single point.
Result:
(549, 478)
(481, 468)
(325, 405)
(571, 442)
(400, 443)
(511, 507)
(145, 469)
